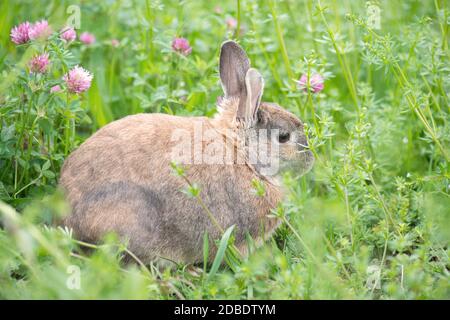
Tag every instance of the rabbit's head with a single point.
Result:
(273, 136)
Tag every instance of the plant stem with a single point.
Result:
(282, 44)
(238, 18)
(341, 58)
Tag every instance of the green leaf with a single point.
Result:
(205, 252)
(46, 165)
(220, 252)
(100, 110)
(45, 125)
(48, 174)
(258, 188)
(42, 100)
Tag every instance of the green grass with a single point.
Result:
(371, 221)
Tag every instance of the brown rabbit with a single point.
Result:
(120, 179)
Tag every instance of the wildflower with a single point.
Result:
(231, 23)
(20, 34)
(68, 34)
(54, 89)
(87, 38)
(39, 63)
(115, 43)
(78, 80)
(182, 46)
(40, 30)
(316, 82)
(218, 9)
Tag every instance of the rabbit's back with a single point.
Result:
(120, 180)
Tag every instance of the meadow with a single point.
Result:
(370, 221)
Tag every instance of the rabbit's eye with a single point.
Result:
(284, 137)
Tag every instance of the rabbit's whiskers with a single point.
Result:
(306, 147)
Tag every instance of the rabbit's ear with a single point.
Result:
(240, 81)
(254, 85)
(234, 65)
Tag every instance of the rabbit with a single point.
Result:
(120, 179)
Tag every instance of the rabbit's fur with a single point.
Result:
(120, 179)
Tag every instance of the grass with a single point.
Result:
(371, 221)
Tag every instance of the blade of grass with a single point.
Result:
(220, 252)
(205, 253)
(281, 42)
